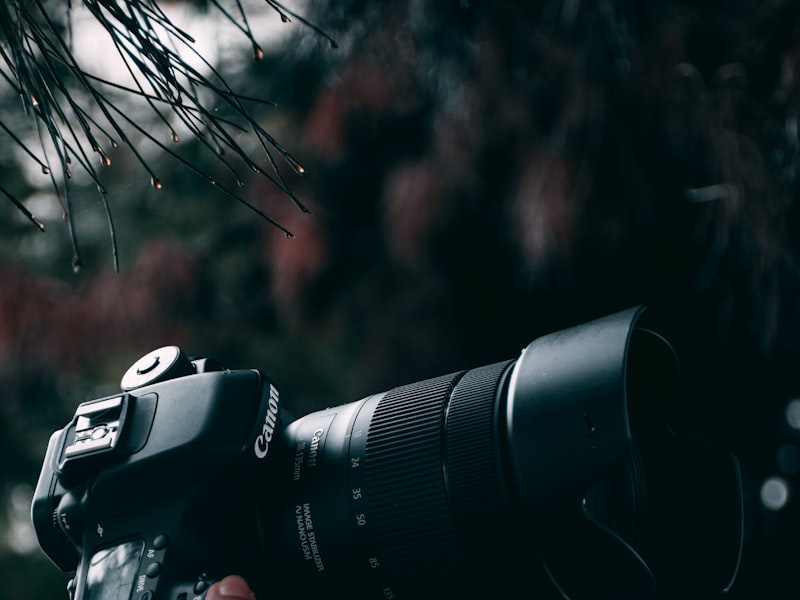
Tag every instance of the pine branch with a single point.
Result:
(64, 100)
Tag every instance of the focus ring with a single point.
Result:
(472, 459)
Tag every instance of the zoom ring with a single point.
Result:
(405, 483)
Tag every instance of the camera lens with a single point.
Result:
(398, 495)
(523, 474)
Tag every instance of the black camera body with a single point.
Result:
(557, 472)
(143, 492)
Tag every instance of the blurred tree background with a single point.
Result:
(479, 173)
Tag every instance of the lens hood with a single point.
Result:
(617, 500)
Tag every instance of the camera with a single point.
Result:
(556, 474)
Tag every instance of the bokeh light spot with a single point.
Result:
(20, 537)
(774, 493)
(793, 414)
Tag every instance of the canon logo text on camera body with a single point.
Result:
(261, 446)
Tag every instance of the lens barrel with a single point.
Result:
(408, 484)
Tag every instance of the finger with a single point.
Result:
(230, 588)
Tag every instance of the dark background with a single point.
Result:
(479, 173)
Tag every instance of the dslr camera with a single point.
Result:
(552, 475)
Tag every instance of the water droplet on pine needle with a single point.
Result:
(298, 168)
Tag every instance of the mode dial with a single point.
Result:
(164, 363)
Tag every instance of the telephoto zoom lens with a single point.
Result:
(524, 475)
(392, 496)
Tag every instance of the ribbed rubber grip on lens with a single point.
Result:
(472, 461)
(405, 483)
(434, 482)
